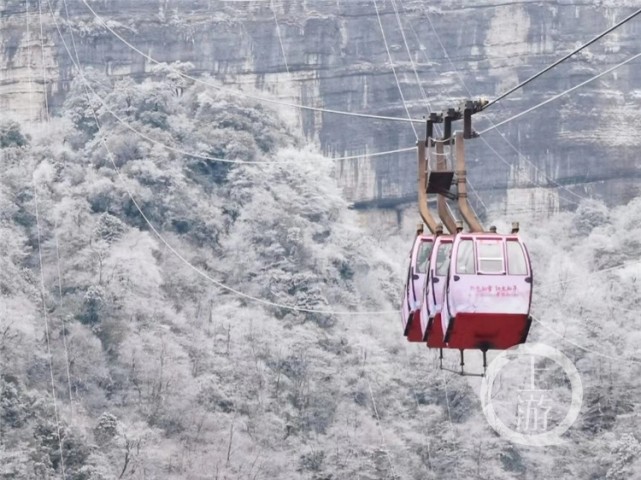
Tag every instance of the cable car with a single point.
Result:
(488, 292)
(413, 294)
(434, 291)
(479, 297)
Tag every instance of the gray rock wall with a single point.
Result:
(585, 142)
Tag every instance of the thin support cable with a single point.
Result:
(282, 49)
(566, 92)
(418, 404)
(469, 92)
(460, 77)
(236, 92)
(380, 428)
(412, 63)
(42, 58)
(55, 227)
(64, 326)
(162, 239)
(28, 42)
(375, 154)
(580, 347)
(45, 317)
(180, 151)
(477, 196)
(409, 55)
(213, 280)
(449, 417)
(200, 156)
(564, 58)
(280, 38)
(391, 61)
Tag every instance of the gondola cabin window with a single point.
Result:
(490, 256)
(443, 259)
(465, 258)
(425, 249)
(516, 263)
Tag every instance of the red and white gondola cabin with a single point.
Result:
(489, 292)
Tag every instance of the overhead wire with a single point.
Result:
(374, 406)
(369, 384)
(122, 39)
(469, 92)
(449, 417)
(565, 92)
(45, 317)
(407, 49)
(562, 59)
(410, 56)
(43, 295)
(400, 90)
(286, 63)
(380, 428)
(476, 194)
(593, 40)
(237, 92)
(163, 240)
(185, 261)
(474, 190)
(280, 38)
(57, 246)
(200, 156)
(418, 403)
(581, 347)
(181, 151)
(463, 83)
(419, 83)
(374, 154)
(282, 49)
(42, 60)
(234, 92)
(494, 125)
(391, 62)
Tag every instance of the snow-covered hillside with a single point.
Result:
(224, 334)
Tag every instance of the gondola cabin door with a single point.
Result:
(435, 291)
(413, 293)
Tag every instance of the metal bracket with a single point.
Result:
(462, 371)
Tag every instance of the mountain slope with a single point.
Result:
(161, 371)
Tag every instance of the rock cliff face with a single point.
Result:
(331, 54)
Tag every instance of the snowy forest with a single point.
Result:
(167, 315)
